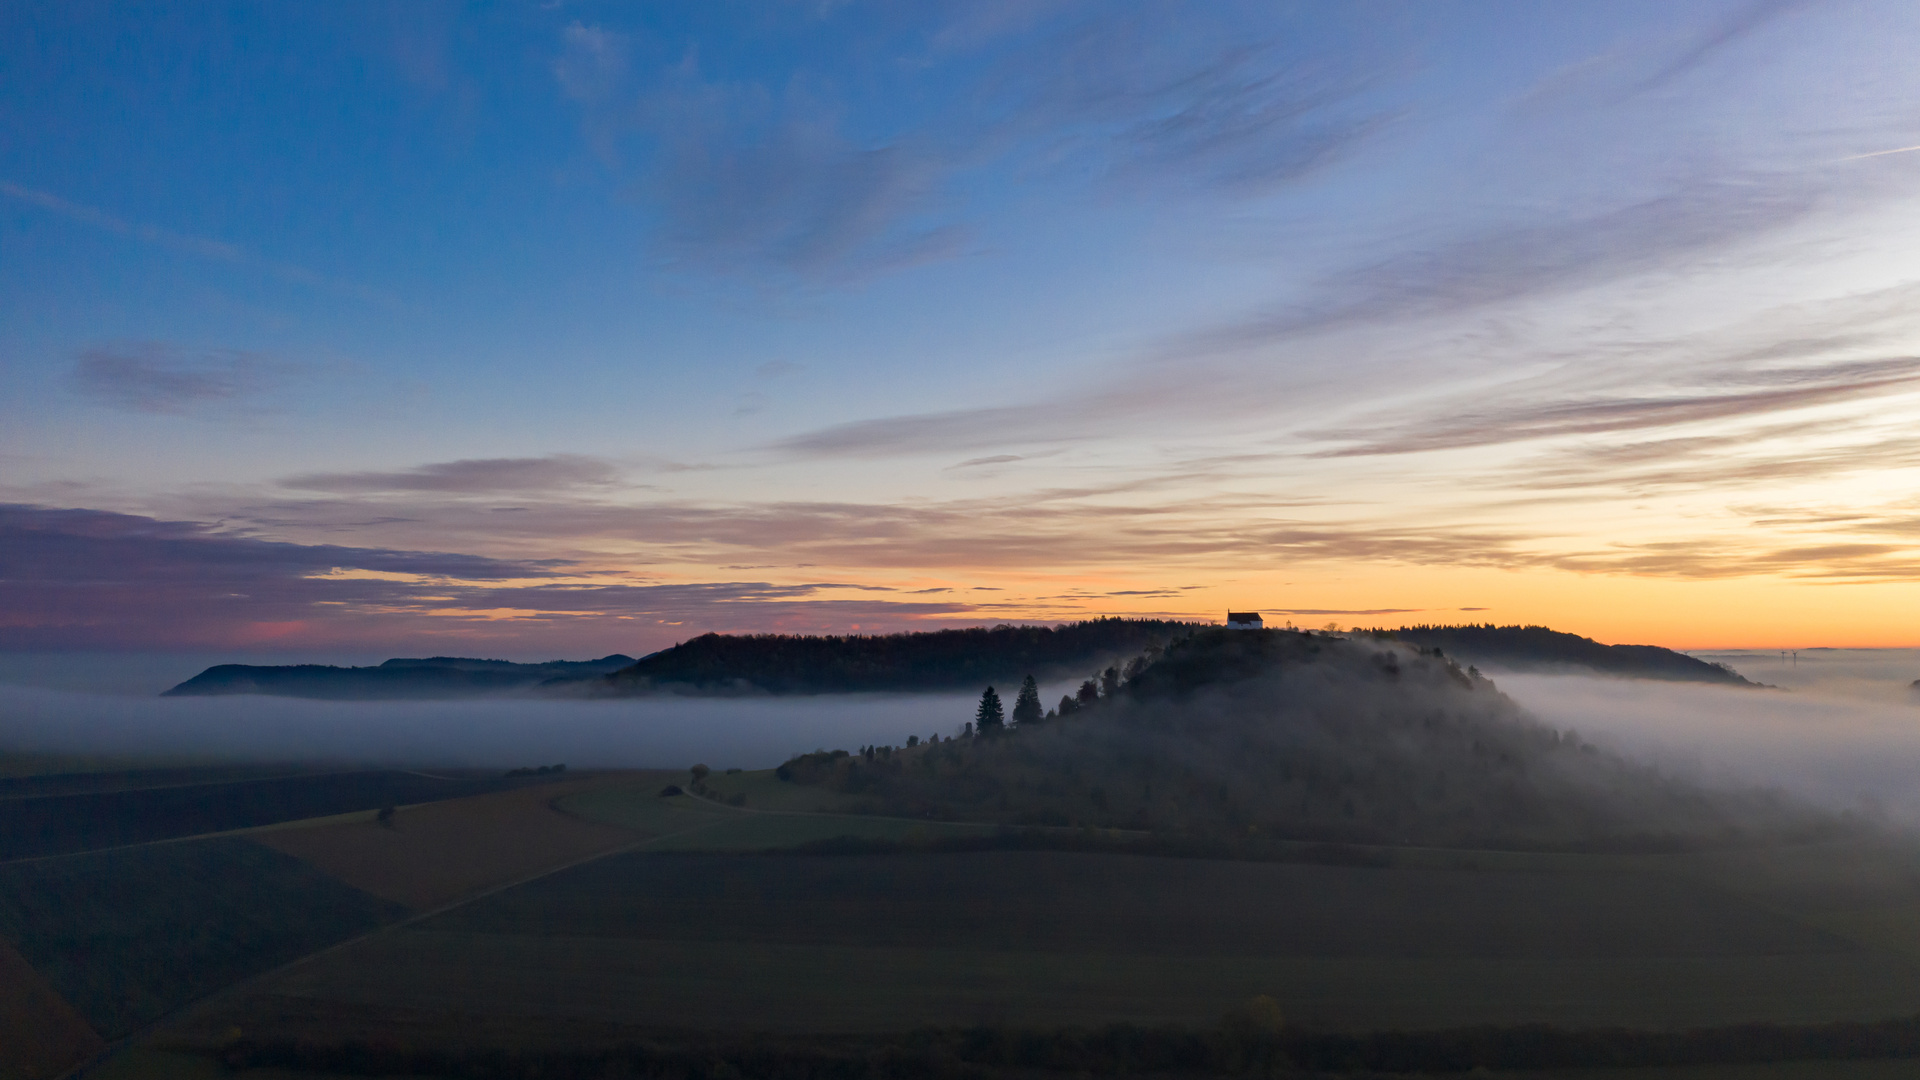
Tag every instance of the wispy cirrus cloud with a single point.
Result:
(1506, 261)
(1730, 30)
(1063, 529)
(1206, 103)
(1771, 455)
(1783, 389)
(1711, 558)
(471, 476)
(797, 174)
(1152, 520)
(742, 175)
(1231, 373)
(156, 379)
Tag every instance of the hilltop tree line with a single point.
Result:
(990, 719)
(931, 660)
(1539, 647)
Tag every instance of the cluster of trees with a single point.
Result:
(934, 660)
(698, 785)
(543, 770)
(1296, 735)
(990, 718)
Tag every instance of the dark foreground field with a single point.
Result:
(535, 929)
(127, 935)
(96, 944)
(892, 942)
(164, 1065)
(56, 815)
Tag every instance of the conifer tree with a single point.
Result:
(1026, 707)
(990, 718)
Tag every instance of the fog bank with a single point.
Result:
(636, 733)
(1875, 674)
(1849, 741)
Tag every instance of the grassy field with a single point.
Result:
(774, 815)
(128, 935)
(698, 927)
(884, 942)
(43, 1035)
(762, 790)
(35, 825)
(733, 985)
(1062, 902)
(437, 853)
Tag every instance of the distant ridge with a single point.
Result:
(1536, 648)
(398, 679)
(924, 661)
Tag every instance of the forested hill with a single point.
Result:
(1536, 648)
(931, 660)
(401, 678)
(1236, 736)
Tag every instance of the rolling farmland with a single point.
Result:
(436, 853)
(638, 913)
(128, 935)
(56, 816)
(893, 941)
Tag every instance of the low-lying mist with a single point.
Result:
(1849, 741)
(1844, 734)
(635, 733)
(1238, 737)
(1874, 674)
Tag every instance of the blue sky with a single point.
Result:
(555, 326)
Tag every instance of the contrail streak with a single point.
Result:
(1882, 153)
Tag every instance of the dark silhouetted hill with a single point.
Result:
(422, 678)
(933, 660)
(1536, 648)
(1243, 736)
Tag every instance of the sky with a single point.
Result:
(559, 329)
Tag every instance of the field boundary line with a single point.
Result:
(251, 981)
(203, 783)
(246, 830)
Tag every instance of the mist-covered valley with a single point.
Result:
(1840, 733)
(1847, 751)
(1418, 826)
(665, 732)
